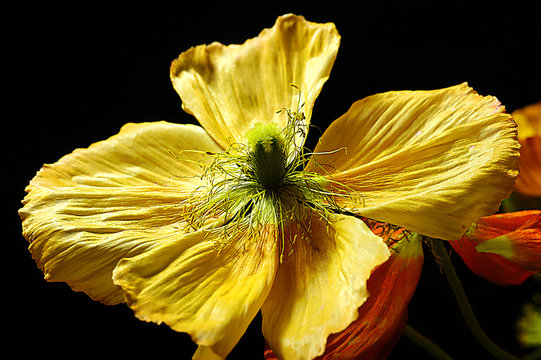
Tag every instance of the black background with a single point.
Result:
(78, 71)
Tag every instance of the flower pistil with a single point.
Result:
(260, 184)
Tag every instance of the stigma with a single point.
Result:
(267, 155)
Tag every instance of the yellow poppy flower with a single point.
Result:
(201, 227)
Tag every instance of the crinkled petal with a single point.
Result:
(143, 154)
(320, 286)
(189, 285)
(505, 248)
(500, 224)
(230, 88)
(383, 317)
(205, 353)
(491, 267)
(113, 200)
(429, 161)
(521, 245)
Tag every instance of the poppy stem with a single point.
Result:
(426, 343)
(440, 251)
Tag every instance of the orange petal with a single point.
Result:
(494, 268)
(500, 224)
(522, 245)
(505, 249)
(529, 180)
(528, 120)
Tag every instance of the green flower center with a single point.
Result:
(261, 184)
(268, 156)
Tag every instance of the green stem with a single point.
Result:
(426, 343)
(449, 270)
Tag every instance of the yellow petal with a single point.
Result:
(113, 200)
(229, 88)
(205, 353)
(144, 154)
(188, 285)
(429, 161)
(320, 286)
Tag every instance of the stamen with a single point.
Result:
(261, 186)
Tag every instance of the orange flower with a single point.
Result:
(503, 248)
(529, 136)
